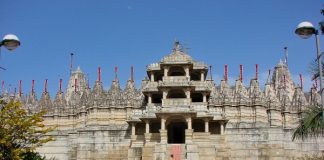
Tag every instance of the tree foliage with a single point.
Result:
(20, 133)
(311, 124)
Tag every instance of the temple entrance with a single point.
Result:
(176, 132)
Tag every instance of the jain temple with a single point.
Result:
(177, 113)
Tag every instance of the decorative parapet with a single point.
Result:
(200, 65)
(153, 66)
(182, 81)
(176, 102)
(150, 87)
(201, 86)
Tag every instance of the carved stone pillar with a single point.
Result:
(187, 93)
(222, 127)
(152, 77)
(202, 76)
(206, 125)
(186, 68)
(147, 126)
(163, 123)
(189, 123)
(133, 129)
(166, 70)
(165, 93)
(204, 97)
(149, 98)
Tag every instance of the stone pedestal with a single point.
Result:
(147, 137)
(188, 134)
(164, 136)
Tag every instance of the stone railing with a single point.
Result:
(175, 81)
(177, 59)
(151, 86)
(176, 102)
(199, 106)
(200, 86)
(200, 65)
(153, 66)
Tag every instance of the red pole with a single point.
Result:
(45, 90)
(241, 73)
(75, 85)
(116, 69)
(256, 71)
(132, 73)
(210, 71)
(99, 74)
(226, 73)
(20, 90)
(301, 81)
(33, 86)
(60, 85)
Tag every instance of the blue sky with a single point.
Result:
(139, 32)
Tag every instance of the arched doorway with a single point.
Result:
(176, 132)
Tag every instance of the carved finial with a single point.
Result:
(177, 46)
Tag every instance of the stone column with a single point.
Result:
(133, 136)
(149, 98)
(204, 97)
(133, 129)
(187, 72)
(147, 126)
(187, 93)
(222, 127)
(166, 70)
(165, 93)
(189, 123)
(152, 77)
(163, 123)
(163, 132)
(206, 125)
(202, 76)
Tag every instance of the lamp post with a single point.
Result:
(10, 42)
(305, 30)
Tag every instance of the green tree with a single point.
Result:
(311, 124)
(20, 133)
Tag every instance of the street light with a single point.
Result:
(306, 30)
(10, 42)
